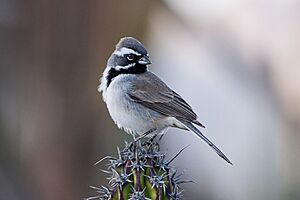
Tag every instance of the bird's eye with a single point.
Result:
(130, 57)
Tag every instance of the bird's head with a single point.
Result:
(129, 57)
(129, 54)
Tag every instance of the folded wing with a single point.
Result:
(151, 92)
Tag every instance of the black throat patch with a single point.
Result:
(137, 69)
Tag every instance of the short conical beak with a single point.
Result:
(145, 60)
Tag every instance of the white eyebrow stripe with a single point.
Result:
(118, 67)
(124, 50)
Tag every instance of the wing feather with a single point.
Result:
(151, 92)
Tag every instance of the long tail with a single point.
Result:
(191, 127)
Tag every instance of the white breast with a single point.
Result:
(132, 117)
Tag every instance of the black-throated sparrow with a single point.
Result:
(138, 101)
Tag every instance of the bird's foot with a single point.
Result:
(135, 139)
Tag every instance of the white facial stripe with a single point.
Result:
(124, 50)
(102, 86)
(118, 67)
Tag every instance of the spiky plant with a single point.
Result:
(140, 172)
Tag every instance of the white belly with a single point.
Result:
(128, 115)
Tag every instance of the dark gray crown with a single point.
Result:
(132, 43)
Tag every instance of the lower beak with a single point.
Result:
(145, 60)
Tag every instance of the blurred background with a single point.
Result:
(237, 62)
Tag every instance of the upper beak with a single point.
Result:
(145, 60)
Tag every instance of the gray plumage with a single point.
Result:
(138, 101)
(153, 93)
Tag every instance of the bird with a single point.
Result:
(139, 102)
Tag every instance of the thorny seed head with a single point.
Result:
(135, 165)
(176, 194)
(115, 163)
(104, 193)
(119, 179)
(138, 195)
(161, 163)
(138, 164)
(157, 180)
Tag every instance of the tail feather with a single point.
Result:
(191, 127)
(198, 123)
